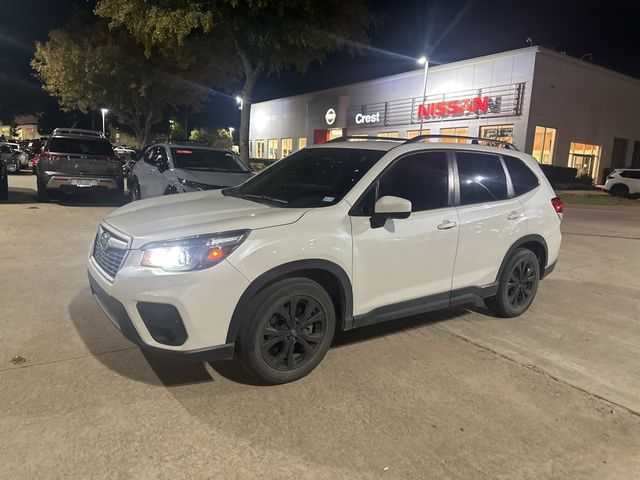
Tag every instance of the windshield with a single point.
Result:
(81, 146)
(207, 160)
(314, 177)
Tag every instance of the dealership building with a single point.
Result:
(564, 111)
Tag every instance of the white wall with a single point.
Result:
(585, 103)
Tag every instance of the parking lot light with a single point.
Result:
(104, 114)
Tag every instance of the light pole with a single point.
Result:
(104, 114)
(240, 102)
(423, 61)
(231, 130)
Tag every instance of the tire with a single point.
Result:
(135, 190)
(4, 189)
(277, 347)
(518, 285)
(42, 195)
(620, 191)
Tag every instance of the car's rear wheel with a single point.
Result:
(620, 191)
(518, 285)
(288, 330)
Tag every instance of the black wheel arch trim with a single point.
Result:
(283, 271)
(519, 243)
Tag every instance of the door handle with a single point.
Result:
(514, 215)
(446, 224)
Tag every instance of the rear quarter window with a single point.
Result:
(522, 178)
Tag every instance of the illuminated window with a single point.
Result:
(389, 134)
(415, 133)
(287, 146)
(302, 143)
(584, 157)
(272, 148)
(259, 148)
(335, 133)
(459, 131)
(544, 142)
(358, 135)
(250, 149)
(503, 133)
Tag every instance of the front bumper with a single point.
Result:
(203, 302)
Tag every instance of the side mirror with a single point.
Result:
(390, 207)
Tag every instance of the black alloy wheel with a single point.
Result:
(288, 329)
(517, 285)
(521, 283)
(291, 336)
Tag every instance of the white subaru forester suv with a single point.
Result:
(333, 237)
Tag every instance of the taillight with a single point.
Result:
(558, 205)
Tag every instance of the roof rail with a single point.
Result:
(472, 140)
(362, 138)
(78, 131)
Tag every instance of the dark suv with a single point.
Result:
(78, 161)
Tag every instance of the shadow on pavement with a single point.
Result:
(19, 195)
(115, 352)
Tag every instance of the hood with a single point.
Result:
(220, 179)
(187, 214)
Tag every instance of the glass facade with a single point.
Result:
(414, 133)
(286, 146)
(462, 131)
(259, 148)
(389, 134)
(544, 143)
(302, 143)
(272, 149)
(503, 133)
(584, 157)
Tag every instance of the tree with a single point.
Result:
(266, 35)
(87, 66)
(220, 138)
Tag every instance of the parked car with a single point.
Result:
(623, 183)
(4, 181)
(22, 156)
(10, 158)
(78, 161)
(168, 168)
(333, 237)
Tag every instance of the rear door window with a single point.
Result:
(482, 178)
(81, 146)
(522, 178)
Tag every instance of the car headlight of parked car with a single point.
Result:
(192, 253)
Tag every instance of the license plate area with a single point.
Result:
(83, 182)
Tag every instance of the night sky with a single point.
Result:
(448, 30)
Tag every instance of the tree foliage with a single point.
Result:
(220, 138)
(87, 66)
(266, 35)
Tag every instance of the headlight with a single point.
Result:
(192, 253)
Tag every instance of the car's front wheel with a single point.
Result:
(518, 285)
(288, 330)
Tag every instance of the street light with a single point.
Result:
(240, 102)
(231, 130)
(423, 61)
(104, 114)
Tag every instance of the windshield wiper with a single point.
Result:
(264, 198)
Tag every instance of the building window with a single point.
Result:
(502, 133)
(302, 143)
(272, 148)
(389, 134)
(259, 148)
(459, 131)
(250, 149)
(544, 142)
(335, 133)
(414, 133)
(584, 157)
(287, 146)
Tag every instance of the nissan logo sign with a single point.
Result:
(371, 118)
(330, 116)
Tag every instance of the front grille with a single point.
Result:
(109, 252)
